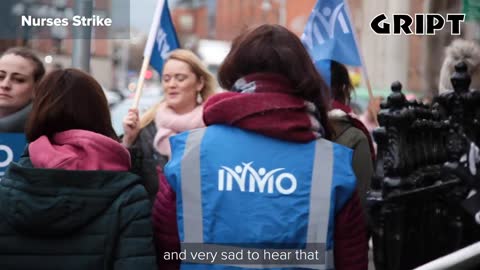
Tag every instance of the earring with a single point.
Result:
(199, 98)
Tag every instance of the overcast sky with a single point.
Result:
(141, 13)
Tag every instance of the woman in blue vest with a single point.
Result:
(71, 202)
(262, 177)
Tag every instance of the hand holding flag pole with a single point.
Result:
(161, 40)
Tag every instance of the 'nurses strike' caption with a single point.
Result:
(245, 256)
(75, 21)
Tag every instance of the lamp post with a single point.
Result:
(82, 36)
(22, 8)
(282, 13)
(266, 7)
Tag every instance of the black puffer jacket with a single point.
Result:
(145, 159)
(76, 220)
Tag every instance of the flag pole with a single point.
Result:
(147, 53)
(364, 68)
(141, 80)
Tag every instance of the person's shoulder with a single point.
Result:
(348, 135)
(145, 137)
(341, 151)
(338, 151)
(355, 133)
(148, 131)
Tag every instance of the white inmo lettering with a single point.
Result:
(258, 181)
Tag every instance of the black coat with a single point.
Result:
(145, 159)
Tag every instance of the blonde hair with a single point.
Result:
(198, 68)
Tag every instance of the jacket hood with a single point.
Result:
(79, 150)
(50, 202)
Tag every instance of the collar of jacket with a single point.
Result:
(15, 122)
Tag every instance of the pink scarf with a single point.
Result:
(169, 123)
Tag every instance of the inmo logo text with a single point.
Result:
(248, 179)
(163, 47)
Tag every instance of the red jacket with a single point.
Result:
(165, 223)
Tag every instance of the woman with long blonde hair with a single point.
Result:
(186, 83)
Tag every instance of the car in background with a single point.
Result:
(115, 96)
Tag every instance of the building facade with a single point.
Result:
(413, 60)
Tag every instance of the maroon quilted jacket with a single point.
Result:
(165, 223)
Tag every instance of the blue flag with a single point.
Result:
(329, 35)
(162, 38)
(12, 146)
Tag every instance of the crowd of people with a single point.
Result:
(277, 159)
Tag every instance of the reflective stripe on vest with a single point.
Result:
(317, 218)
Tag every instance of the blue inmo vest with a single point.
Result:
(239, 191)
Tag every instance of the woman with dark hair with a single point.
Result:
(20, 71)
(70, 202)
(263, 174)
(349, 130)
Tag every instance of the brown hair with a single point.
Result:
(341, 84)
(39, 69)
(198, 68)
(274, 49)
(69, 99)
